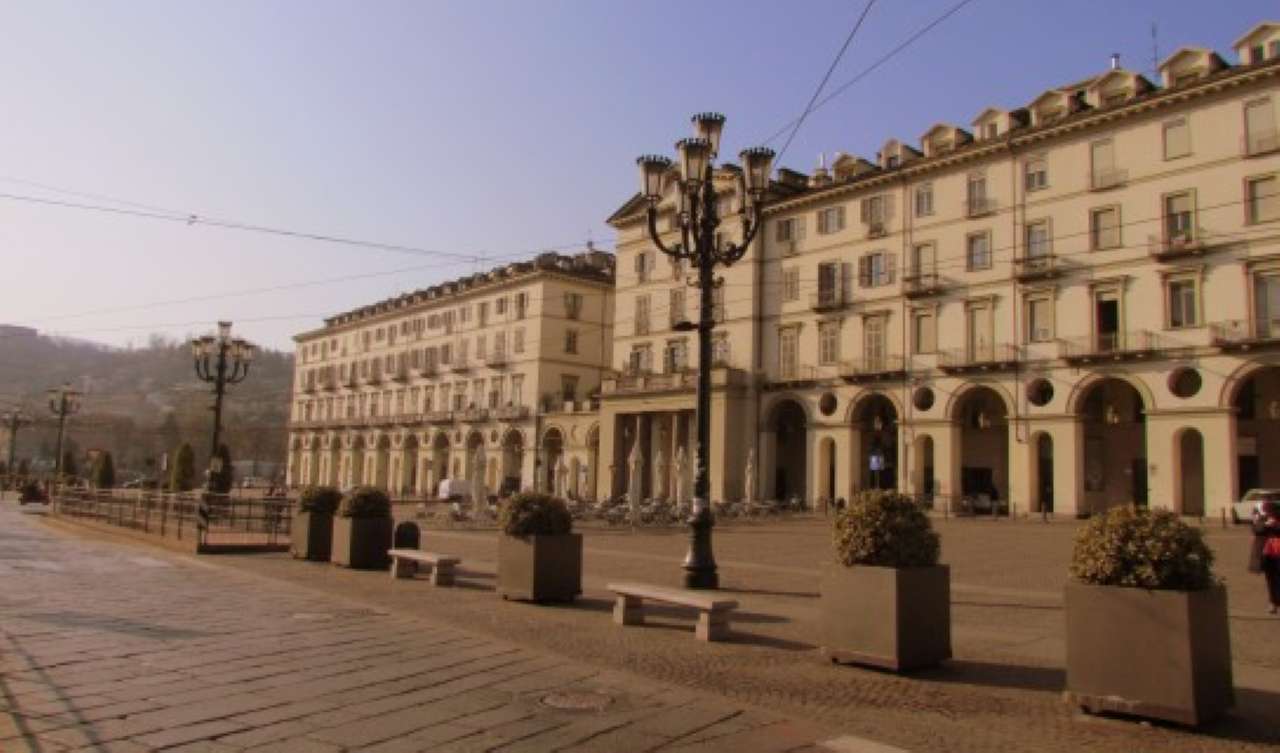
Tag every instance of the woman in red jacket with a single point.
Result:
(1265, 555)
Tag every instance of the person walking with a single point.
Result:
(1264, 556)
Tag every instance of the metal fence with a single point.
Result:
(208, 520)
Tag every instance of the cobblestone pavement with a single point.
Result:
(106, 646)
(1002, 691)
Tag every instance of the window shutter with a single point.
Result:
(864, 271)
(798, 226)
(865, 205)
(840, 218)
(890, 266)
(822, 222)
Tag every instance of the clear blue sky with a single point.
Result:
(470, 127)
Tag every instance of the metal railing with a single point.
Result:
(876, 366)
(1261, 142)
(1110, 177)
(978, 356)
(1040, 265)
(1103, 344)
(208, 520)
(976, 206)
(917, 282)
(828, 299)
(1169, 245)
(1244, 331)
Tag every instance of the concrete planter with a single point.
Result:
(361, 543)
(311, 536)
(1158, 654)
(540, 568)
(892, 618)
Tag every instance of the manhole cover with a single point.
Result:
(577, 701)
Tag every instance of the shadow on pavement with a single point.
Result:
(967, 672)
(765, 592)
(112, 625)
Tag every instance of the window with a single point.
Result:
(978, 345)
(480, 347)
(641, 359)
(1257, 54)
(572, 305)
(828, 343)
(791, 284)
(990, 130)
(1036, 175)
(717, 304)
(517, 390)
(1102, 161)
(500, 344)
(568, 387)
(829, 292)
(1183, 311)
(380, 335)
(1266, 305)
(1104, 228)
(642, 315)
(978, 251)
(642, 266)
(875, 269)
(1039, 240)
(428, 399)
(461, 355)
(720, 349)
(1039, 319)
(976, 187)
(677, 268)
(788, 231)
(1178, 217)
(676, 307)
(446, 354)
(676, 356)
(788, 352)
(445, 394)
(482, 313)
(875, 214)
(522, 304)
(923, 257)
(517, 340)
(464, 314)
(924, 200)
(830, 220)
(1262, 201)
(874, 341)
(924, 332)
(1177, 139)
(500, 306)
(571, 341)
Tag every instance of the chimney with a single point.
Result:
(1115, 61)
(820, 176)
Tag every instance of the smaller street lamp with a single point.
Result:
(220, 360)
(63, 402)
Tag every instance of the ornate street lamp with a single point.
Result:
(698, 218)
(220, 360)
(63, 402)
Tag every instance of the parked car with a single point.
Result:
(454, 489)
(1243, 510)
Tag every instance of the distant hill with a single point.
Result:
(139, 403)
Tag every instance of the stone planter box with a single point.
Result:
(311, 536)
(892, 618)
(540, 568)
(361, 543)
(1158, 654)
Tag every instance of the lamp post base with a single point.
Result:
(700, 563)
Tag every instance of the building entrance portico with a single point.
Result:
(659, 438)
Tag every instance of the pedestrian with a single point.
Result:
(1264, 557)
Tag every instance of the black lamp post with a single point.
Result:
(13, 421)
(220, 360)
(698, 216)
(63, 402)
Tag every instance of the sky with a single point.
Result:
(466, 131)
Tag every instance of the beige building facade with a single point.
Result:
(1058, 307)
(488, 377)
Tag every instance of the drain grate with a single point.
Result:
(570, 700)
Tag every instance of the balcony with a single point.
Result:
(919, 284)
(374, 377)
(473, 415)
(877, 229)
(328, 383)
(880, 368)
(828, 299)
(511, 413)
(978, 206)
(351, 382)
(1113, 346)
(635, 382)
(984, 358)
(1263, 142)
(1178, 245)
(1111, 177)
(497, 360)
(460, 366)
(309, 386)
(438, 417)
(1039, 267)
(428, 369)
(797, 374)
(400, 374)
(1245, 334)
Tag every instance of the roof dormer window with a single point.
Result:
(892, 161)
(990, 130)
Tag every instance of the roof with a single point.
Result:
(1265, 26)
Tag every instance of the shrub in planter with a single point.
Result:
(886, 601)
(1147, 630)
(311, 535)
(539, 556)
(362, 529)
(31, 493)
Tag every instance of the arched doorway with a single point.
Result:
(552, 451)
(409, 465)
(876, 421)
(789, 428)
(1114, 419)
(439, 462)
(984, 449)
(1256, 405)
(1190, 470)
(1042, 473)
(512, 462)
(382, 464)
(355, 466)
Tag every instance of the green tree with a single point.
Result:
(104, 471)
(182, 474)
(223, 479)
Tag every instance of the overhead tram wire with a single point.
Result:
(910, 40)
(808, 108)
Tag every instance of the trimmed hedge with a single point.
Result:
(365, 502)
(323, 500)
(885, 529)
(534, 514)
(1138, 548)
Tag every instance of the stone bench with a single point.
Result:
(405, 564)
(713, 612)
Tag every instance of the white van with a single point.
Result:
(454, 488)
